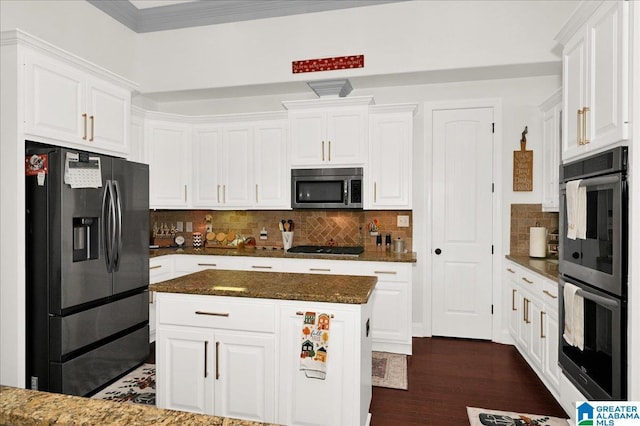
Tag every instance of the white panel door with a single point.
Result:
(245, 376)
(462, 222)
(186, 380)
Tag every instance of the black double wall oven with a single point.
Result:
(598, 266)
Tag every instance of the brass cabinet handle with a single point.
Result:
(527, 280)
(386, 272)
(526, 311)
(218, 193)
(84, 132)
(579, 129)
(256, 192)
(375, 192)
(549, 294)
(217, 360)
(151, 297)
(261, 267)
(185, 193)
(224, 194)
(207, 264)
(91, 119)
(320, 269)
(329, 150)
(213, 314)
(513, 300)
(542, 336)
(155, 267)
(322, 150)
(585, 140)
(206, 344)
(511, 270)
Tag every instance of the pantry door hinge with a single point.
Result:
(493, 127)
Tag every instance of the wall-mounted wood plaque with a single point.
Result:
(523, 166)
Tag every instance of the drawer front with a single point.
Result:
(550, 293)
(160, 269)
(531, 282)
(386, 271)
(195, 263)
(215, 312)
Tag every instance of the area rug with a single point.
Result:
(138, 387)
(389, 370)
(482, 417)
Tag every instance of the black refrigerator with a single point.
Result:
(87, 274)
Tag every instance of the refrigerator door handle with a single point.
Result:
(106, 221)
(113, 231)
(118, 230)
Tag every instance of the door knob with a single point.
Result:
(575, 255)
(438, 251)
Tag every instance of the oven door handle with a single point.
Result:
(598, 299)
(601, 180)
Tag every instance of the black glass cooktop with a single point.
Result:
(329, 250)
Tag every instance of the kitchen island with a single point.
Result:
(230, 343)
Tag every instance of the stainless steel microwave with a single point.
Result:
(326, 188)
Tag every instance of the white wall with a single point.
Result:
(77, 27)
(399, 37)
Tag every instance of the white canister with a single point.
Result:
(398, 246)
(287, 240)
(538, 241)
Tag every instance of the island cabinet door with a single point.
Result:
(245, 376)
(185, 369)
(311, 401)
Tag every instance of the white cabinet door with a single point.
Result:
(160, 269)
(169, 163)
(245, 376)
(551, 145)
(608, 89)
(550, 348)
(301, 396)
(308, 138)
(137, 149)
(207, 149)
(536, 322)
(596, 81)
(272, 171)
(346, 136)
(109, 109)
(388, 175)
(186, 380)
(55, 100)
(391, 317)
(511, 280)
(574, 81)
(68, 105)
(335, 137)
(237, 167)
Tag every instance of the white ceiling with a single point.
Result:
(144, 16)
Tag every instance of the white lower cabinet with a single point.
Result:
(344, 396)
(211, 360)
(533, 321)
(160, 269)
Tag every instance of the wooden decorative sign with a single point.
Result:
(523, 166)
(327, 64)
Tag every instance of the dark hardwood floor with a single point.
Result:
(447, 375)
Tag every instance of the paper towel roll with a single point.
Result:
(538, 241)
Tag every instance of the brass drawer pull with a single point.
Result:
(549, 294)
(207, 264)
(511, 270)
(386, 272)
(527, 280)
(261, 267)
(213, 314)
(155, 267)
(320, 269)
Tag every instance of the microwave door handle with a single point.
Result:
(346, 192)
(602, 180)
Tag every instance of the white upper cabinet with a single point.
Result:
(551, 141)
(328, 132)
(595, 77)
(271, 165)
(69, 106)
(388, 172)
(169, 154)
(207, 146)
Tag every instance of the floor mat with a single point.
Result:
(138, 387)
(389, 370)
(482, 417)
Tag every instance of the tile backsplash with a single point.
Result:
(523, 217)
(317, 227)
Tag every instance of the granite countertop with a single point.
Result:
(29, 407)
(272, 285)
(545, 267)
(368, 256)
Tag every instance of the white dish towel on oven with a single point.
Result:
(576, 210)
(573, 316)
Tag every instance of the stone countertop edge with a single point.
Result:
(345, 289)
(367, 256)
(30, 407)
(541, 266)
